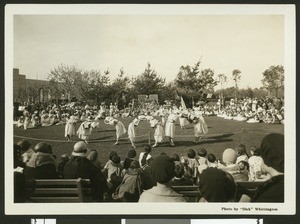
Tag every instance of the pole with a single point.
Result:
(149, 138)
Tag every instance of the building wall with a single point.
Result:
(22, 85)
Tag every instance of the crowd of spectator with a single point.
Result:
(145, 178)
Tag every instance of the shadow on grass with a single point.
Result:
(218, 136)
(102, 138)
(202, 141)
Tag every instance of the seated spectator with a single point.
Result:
(145, 155)
(162, 170)
(202, 160)
(93, 157)
(27, 151)
(272, 152)
(212, 160)
(42, 164)
(255, 165)
(80, 167)
(130, 157)
(179, 179)
(242, 174)
(241, 153)
(188, 172)
(216, 186)
(132, 184)
(192, 162)
(175, 158)
(61, 164)
(146, 170)
(18, 163)
(229, 161)
(114, 173)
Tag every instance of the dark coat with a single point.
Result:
(41, 166)
(271, 191)
(81, 167)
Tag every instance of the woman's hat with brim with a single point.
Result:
(80, 149)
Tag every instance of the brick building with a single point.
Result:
(30, 90)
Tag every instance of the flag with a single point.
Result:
(183, 106)
(209, 95)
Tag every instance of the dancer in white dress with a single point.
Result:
(85, 130)
(70, 127)
(170, 127)
(131, 131)
(158, 133)
(119, 126)
(200, 126)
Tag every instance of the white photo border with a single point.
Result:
(286, 208)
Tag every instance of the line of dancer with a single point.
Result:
(163, 126)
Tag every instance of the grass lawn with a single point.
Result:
(222, 134)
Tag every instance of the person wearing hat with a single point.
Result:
(162, 171)
(131, 131)
(79, 166)
(217, 186)
(272, 152)
(42, 164)
(158, 133)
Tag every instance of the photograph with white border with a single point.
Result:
(42, 40)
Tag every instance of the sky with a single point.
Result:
(250, 43)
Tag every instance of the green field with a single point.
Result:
(222, 134)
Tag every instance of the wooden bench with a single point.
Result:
(60, 190)
(192, 194)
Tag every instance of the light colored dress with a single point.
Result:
(170, 125)
(84, 130)
(120, 129)
(200, 127)
(131, 132)
(70, 127)
(158, 133)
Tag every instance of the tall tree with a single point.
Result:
(148, 82)
(207, 80)
(119, 88)
(222, 79)
(72, 79)
(273, 79)
(236, 76)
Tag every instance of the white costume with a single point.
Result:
(183, 121)
(85, 130)
(70, 127)
(170, 125)
(120, 128)
(200, 127)
(131, 131)
(159, 131)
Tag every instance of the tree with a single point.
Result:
(222, 80)
(72, 79)
(148, 82)
(273, 79)
(119, 88)
(236, 76)
(191, 82)
(207, 80)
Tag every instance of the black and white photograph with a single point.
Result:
(150, 109)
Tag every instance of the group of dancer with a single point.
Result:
(164, 125)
